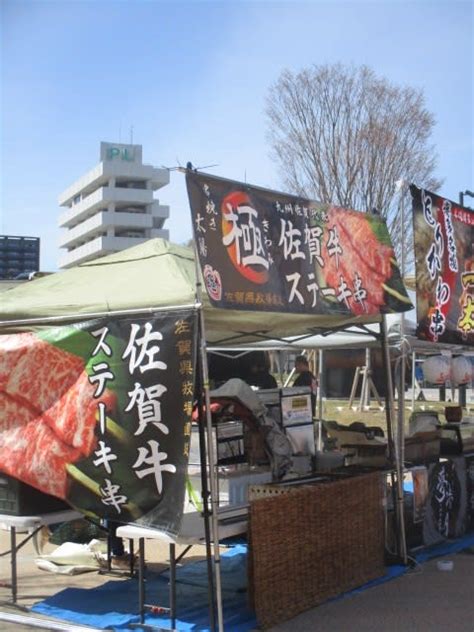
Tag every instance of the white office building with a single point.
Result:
(112, 207)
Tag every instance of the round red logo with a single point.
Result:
(242, 236)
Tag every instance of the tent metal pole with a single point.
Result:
(413, 380)
(289, 378)
(397, 491)
(389, 405)
(212, 477)
(79, 316)
(205, 498)
(213, 482)
(401, 440)
(320, 399)
(366, 399)
(401, 389)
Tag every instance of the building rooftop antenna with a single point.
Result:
(131, 134)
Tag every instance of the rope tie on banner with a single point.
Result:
(193, 495)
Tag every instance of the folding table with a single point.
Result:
(30, 524)
(232, 522)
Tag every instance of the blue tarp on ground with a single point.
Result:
(114, 605)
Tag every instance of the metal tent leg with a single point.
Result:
(141, 579)
(173, 585)
(13, 562)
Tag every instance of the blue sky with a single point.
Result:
(191, 77)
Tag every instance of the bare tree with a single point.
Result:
(342, 135)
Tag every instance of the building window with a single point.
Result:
(130, 233)
(131, 184)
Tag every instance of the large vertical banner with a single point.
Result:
(268, 251)
(446, 507)
(470, 491)
(99, 414)
(444, 241)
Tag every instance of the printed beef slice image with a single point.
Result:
(362, 254)
(42, 374)
(13, 413)
(74, 416)
(12, 348)
(48, 413)
(35, 455)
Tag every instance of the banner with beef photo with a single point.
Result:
(444, 242)
(99, 414)
(269, 251)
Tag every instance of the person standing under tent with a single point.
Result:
(261, 377)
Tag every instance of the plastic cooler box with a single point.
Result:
(19, 499)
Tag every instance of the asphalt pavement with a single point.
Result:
(423, 600)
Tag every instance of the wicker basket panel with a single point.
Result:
(313, 543)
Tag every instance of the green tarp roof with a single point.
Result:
(154, 274)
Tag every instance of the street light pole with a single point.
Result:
(462, 194)
(463, 387)
(401, 186)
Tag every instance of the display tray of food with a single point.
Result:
(370, 455)
(423, 447)
(362, 445)
(357, 432)
(457, 438)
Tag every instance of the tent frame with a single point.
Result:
(210, 495)
(311, 331)
(394, 451)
